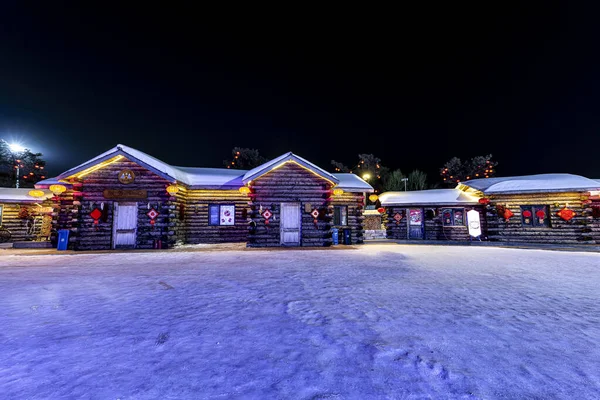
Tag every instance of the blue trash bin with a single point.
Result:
(347, 238)
(63, 239)
(335, 235)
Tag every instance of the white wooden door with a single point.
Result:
(290, 224)
(125, 225)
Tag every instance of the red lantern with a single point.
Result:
(381, 210)
(527, 214)
(484, 200)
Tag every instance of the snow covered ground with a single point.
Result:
(382, 321)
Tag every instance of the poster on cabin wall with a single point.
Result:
(227, 215)
(416, 217)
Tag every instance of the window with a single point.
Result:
(535, 216)
(1, 210)
(453, 216)
(223, 214)
(340, 215)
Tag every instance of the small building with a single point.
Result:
(437, 214)
(125, 198)
(25, 215)
(545, 208)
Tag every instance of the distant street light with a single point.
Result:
(405, 179)
(16, 147)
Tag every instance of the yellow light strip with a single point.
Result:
(308, 169)
(99, 166)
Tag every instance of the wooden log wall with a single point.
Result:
(26, 229)
(356, 219)
(88, 193)
(582, 229)
(434, 228)
(291, 183)
(197, 228)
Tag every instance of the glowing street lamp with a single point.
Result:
(15, 150)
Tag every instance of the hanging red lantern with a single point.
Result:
(484, 200)
(381, 210)
(566, 214)
(527, 214)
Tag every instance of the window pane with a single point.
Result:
(213, 215)
(447, 217)
(527, 215)
(336, 215)
(344, 215)
(227, 215)
(459, 217)
(540, 216)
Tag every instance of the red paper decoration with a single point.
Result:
(566, 214)
(266, 215)
(540, 214)
(507, 214)
(152, 214)
(96, 214)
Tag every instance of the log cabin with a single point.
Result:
(544, 208)
(125, 198)
(25, 215)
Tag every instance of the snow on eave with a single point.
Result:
(442, 197)
(353, 183)
(153, 164)
(213, 178)
(542, 183)
(21, 195)
(277, 162)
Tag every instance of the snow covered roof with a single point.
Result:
(446, 197)
(45, 184)
(353, 183)
(154, 164)
(532, 183)
(276, 162)
(208, 178)
(14, 195)
(213, 178)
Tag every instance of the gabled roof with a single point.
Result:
(208, 178)
(442, 197)
(532, 183)
(14, 195)
(353, 183)
(153, 164)
(276, 162)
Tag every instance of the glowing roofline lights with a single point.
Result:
(306, 168)
(97, 167)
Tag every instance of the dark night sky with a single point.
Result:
(413, 86)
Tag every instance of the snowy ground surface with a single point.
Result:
(382, 321)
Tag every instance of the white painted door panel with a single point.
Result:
(290, 224)
(125, 225)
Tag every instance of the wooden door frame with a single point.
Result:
(114, 221)
(299, 204)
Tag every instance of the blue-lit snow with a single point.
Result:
(382, 321)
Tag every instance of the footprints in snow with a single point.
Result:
(302, 310)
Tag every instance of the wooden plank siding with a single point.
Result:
(433, 228)
(197, 228)
(17, 226)
(88, 193)
(356, 219)
(583, 228)
(295, 184)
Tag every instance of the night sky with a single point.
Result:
(412, 86)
